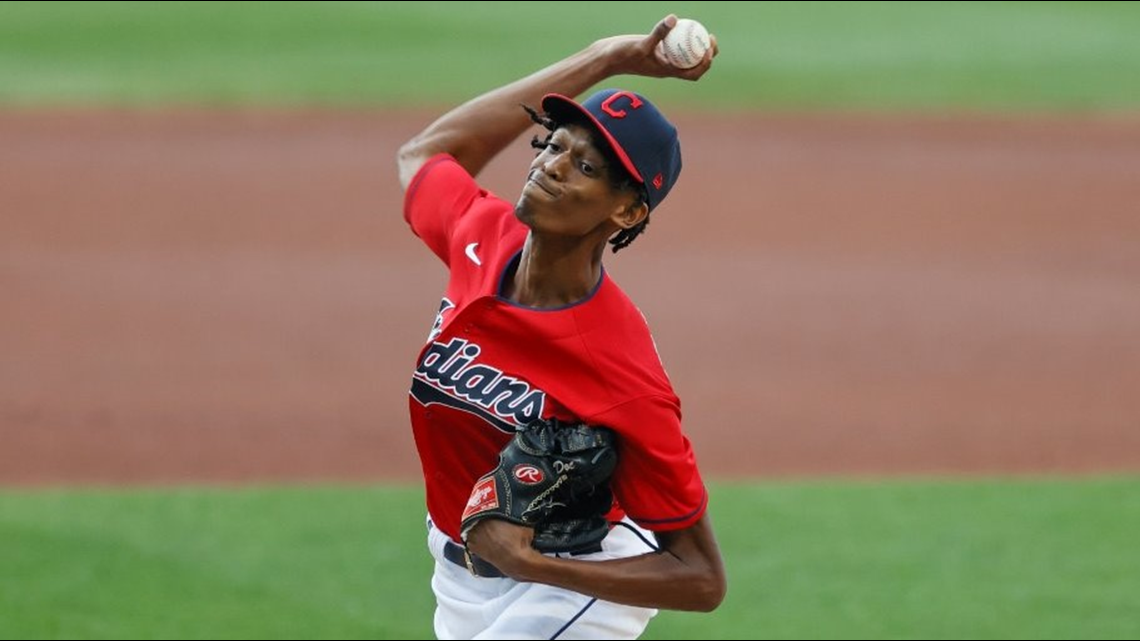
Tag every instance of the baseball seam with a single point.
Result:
(684, 52)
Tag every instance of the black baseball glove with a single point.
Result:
(552, 476)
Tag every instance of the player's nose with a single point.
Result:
(555, 166)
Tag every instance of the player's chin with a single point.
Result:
(531, 203)
(524, 211)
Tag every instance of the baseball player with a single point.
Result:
(532, 327)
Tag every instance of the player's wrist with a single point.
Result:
(532, 567)
(611, 55)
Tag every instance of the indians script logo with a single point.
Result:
(449, 374)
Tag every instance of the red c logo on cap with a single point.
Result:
(634, 103)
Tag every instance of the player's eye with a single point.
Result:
(588, 169)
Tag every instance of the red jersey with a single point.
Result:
(491, 366)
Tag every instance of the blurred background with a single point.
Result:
(896, 290)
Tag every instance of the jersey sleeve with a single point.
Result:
(656, 482)
(439, 195)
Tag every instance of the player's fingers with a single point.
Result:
(704, 65)
(665, 26)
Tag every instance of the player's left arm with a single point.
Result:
(686, 573)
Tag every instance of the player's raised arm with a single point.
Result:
(476, 131)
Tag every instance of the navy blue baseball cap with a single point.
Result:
(637, 132)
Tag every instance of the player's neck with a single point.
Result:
(548, 275)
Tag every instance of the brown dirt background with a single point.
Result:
(233, 296)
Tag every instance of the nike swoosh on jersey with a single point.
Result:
(470, 251)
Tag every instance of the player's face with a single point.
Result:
(568, 191)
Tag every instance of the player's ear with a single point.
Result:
(632, 214)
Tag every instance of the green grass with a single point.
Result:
(900, 559)
(790, 55)
(250, 563)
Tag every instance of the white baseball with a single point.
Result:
(685, 45)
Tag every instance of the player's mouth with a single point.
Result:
(533, 179)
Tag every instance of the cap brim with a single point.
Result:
(555, 104)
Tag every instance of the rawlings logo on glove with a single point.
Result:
(552, 476)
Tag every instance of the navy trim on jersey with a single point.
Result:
(576, 617)
(513, 262)
(639, 535)
(704, 502)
